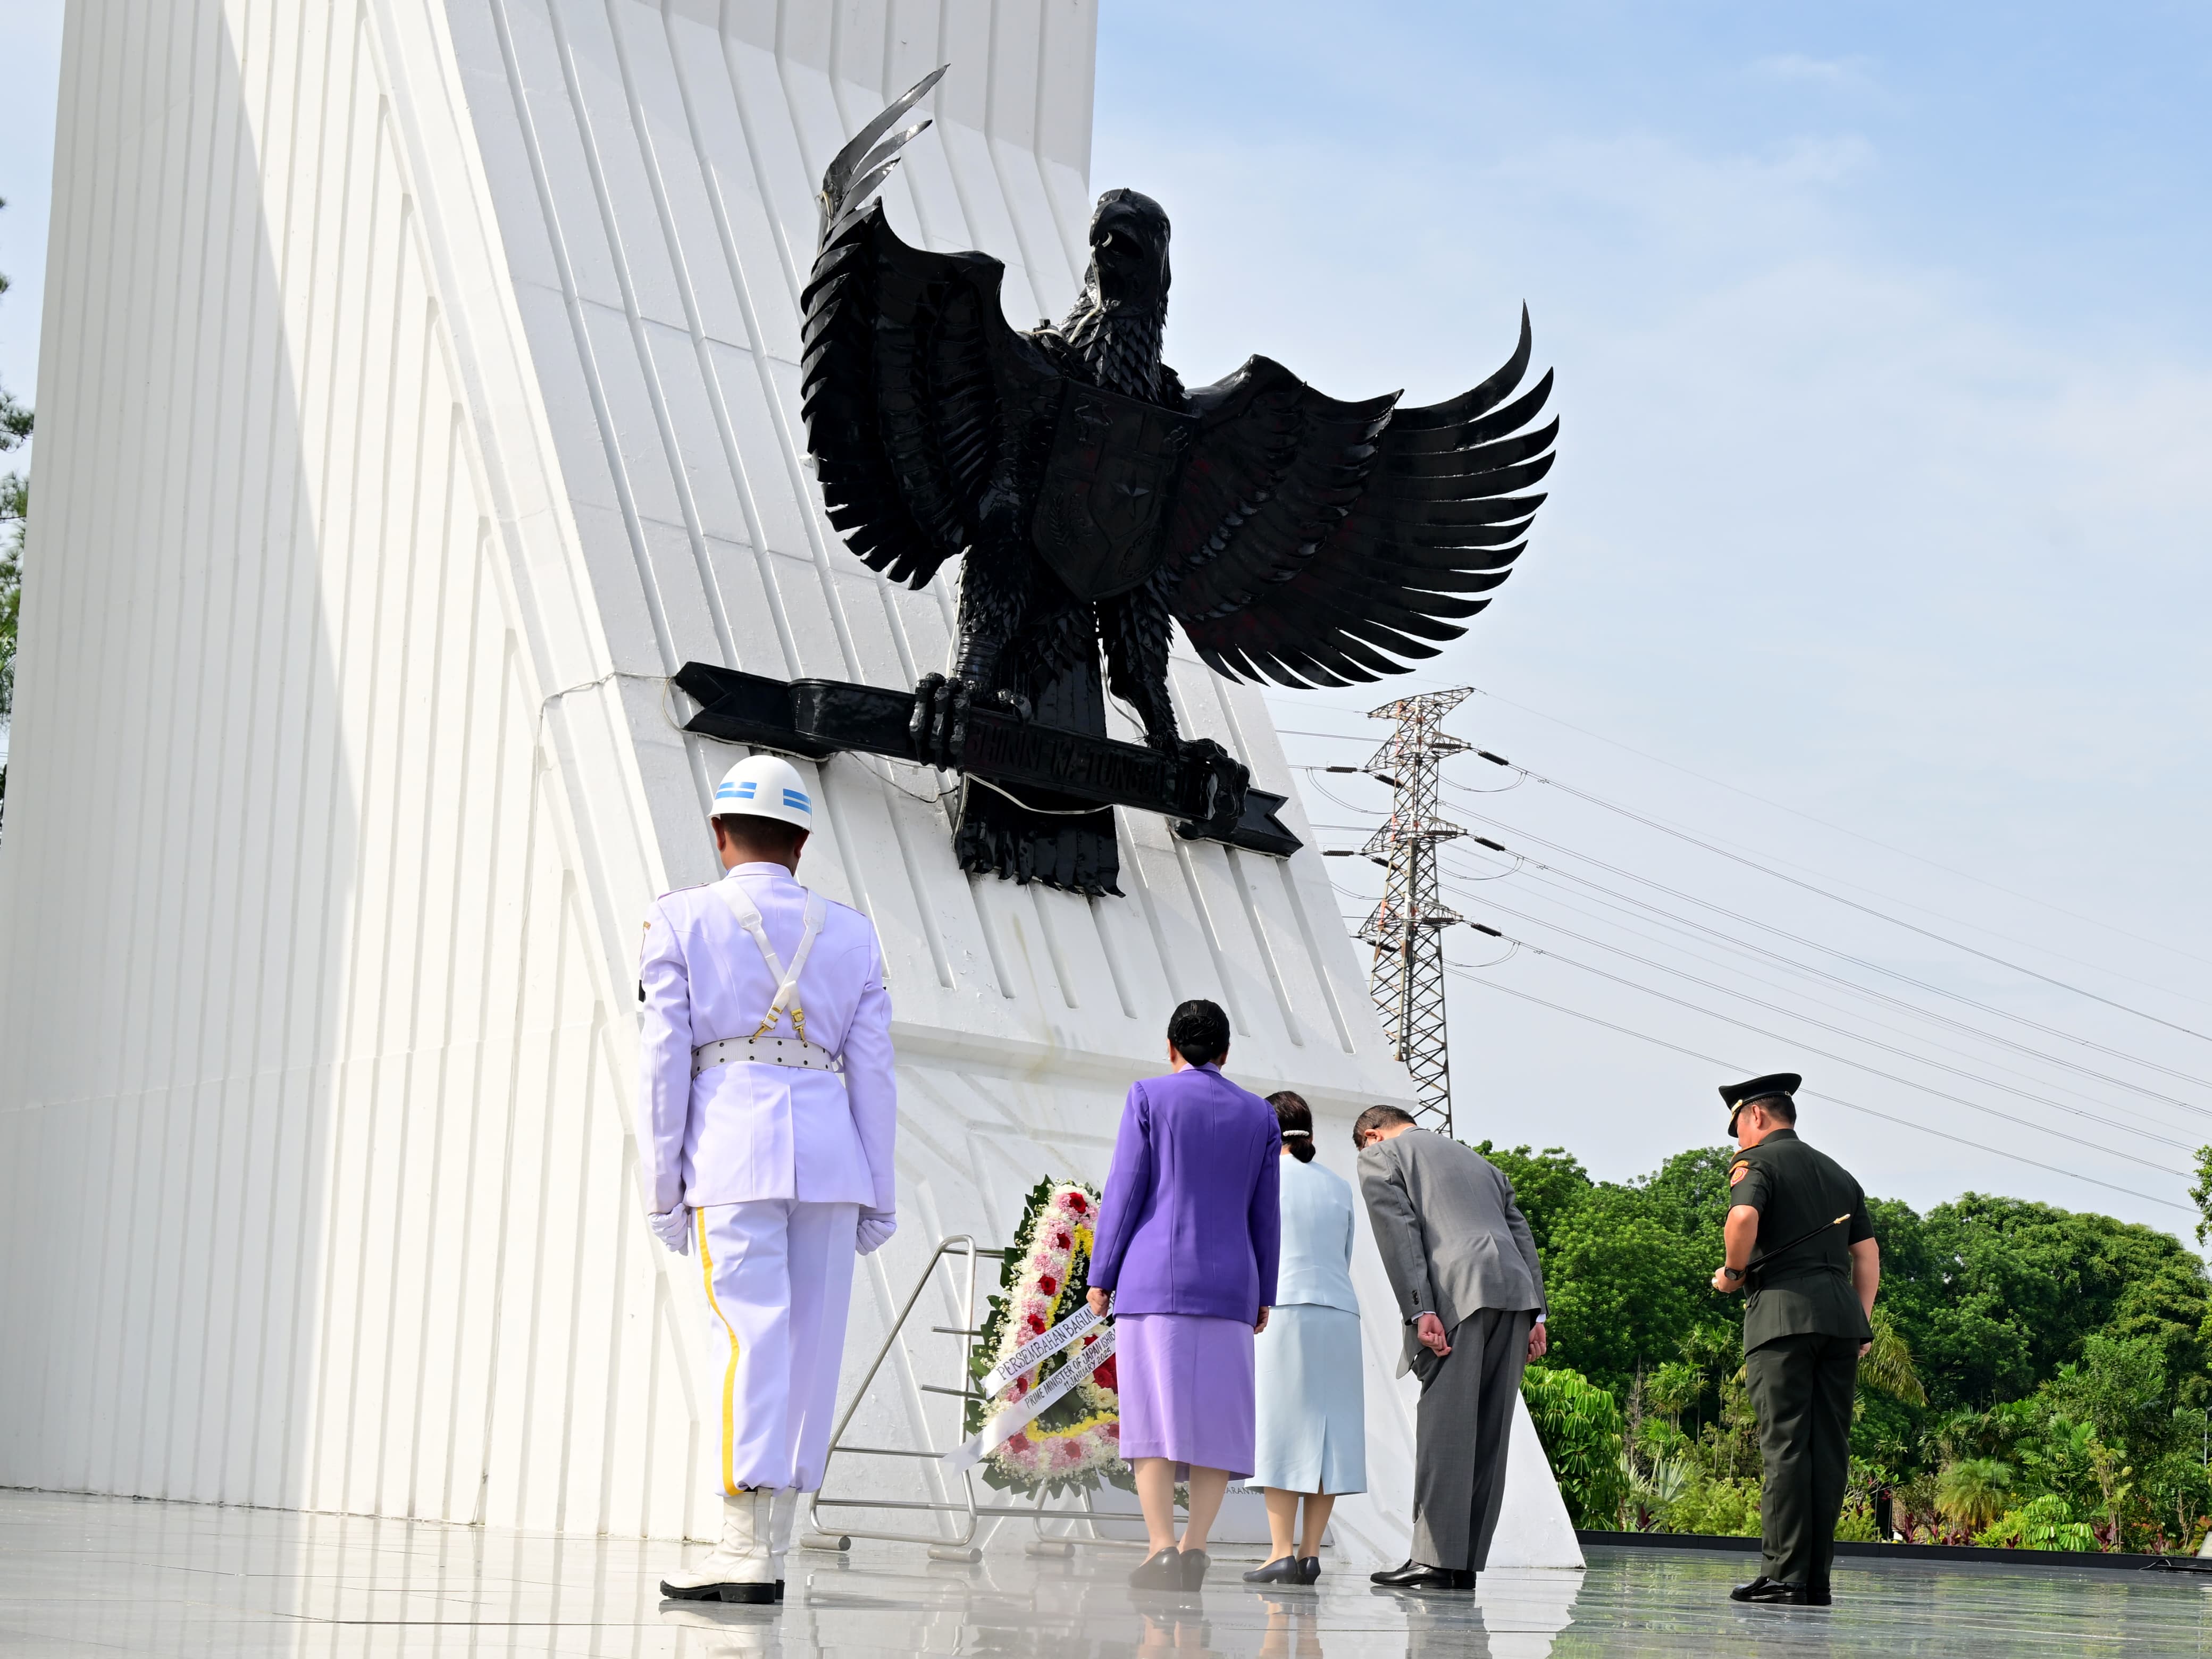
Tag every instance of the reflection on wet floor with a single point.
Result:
(85, 1576)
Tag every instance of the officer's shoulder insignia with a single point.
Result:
(1738, 1170)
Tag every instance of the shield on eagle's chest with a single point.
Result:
(1115, 462)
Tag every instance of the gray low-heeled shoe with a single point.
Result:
(1163, 1571)
(1282, 1570)
(1194, 1568)
(1309, 1569)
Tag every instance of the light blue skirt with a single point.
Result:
(1310, 1405)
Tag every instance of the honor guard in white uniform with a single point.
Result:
(765, 1128)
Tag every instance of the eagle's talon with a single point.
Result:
(923, 725)
(1014, 703)
(959, 697)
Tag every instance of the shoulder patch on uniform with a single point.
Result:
(1738, 1171)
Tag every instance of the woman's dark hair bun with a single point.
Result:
(1200, 1032)
(1295, 1119)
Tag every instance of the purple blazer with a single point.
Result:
(1190, 1222)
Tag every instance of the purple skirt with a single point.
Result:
(1186, 1388)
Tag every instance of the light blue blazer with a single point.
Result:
(1316, 1258)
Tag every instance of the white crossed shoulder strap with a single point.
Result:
(748, 913)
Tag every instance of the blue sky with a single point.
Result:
(1885, 357)
(1885, 379)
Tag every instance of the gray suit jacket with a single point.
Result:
(1452, 1241)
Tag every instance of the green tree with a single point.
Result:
(1581, 1428)
(1621, 1286)
(1974, 1490)
(1547, 1185)
(2012, 1290)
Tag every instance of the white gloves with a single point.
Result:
(876, 1226)
(672, 1227)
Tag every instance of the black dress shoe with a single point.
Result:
(1419, 1576)
(1771, 1590)
(1309, 1569)
(1817, 1595)
(1194, 1568)
(1160, 1572)
(1282, 1570)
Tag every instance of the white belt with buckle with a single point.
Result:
(765, 1051)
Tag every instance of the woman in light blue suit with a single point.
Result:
(1310, 1405)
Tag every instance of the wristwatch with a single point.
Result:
(1731, 1272)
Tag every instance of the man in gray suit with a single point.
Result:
(1463, 1264)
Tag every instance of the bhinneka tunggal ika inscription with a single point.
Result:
(1096, 503)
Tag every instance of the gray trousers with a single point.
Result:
(1462, 1430)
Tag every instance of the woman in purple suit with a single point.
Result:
(1186, 1248)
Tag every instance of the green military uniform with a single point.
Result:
(1802, 1327)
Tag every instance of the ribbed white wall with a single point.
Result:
(314, 1101)
(420, 389)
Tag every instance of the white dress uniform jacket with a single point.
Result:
(741, 1133)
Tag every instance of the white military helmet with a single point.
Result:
(766, 786)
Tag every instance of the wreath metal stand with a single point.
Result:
(950, 1253)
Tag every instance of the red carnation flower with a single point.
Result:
(1081, 1205)
(1049, 1285)
(1034, 1322)
(1106, 1377)
(1019, 1444)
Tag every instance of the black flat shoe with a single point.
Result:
(1817, 1595)
(757, 1596)
(1282, 1570)
(1420, 1576)
(1160, 1572)
(1194, 1568)
(1772, 1591)
(1309, 1569)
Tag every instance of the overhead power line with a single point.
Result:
(1719, 851)
(1841, 1060)
(1558, 893)
(1823, 1025)
(1839, 955)
(1921, 1129)
(1793, 965)
(1795, 813)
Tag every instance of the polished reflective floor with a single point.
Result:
(98, 1576)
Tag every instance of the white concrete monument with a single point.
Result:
(419, 391)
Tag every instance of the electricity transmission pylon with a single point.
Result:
(1406, 928)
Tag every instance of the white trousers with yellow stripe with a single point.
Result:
(780, 1278)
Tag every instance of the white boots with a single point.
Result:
(783, 1520)
(746, 1566)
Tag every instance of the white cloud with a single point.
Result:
(1853, 74)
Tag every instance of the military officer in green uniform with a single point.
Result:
(1799, 1241)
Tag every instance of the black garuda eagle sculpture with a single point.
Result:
(1096, 501)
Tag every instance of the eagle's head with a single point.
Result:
(1128, 268)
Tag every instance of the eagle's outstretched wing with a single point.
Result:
(909, 363)
(1315, 541)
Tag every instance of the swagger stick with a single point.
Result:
(1762, 1258)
